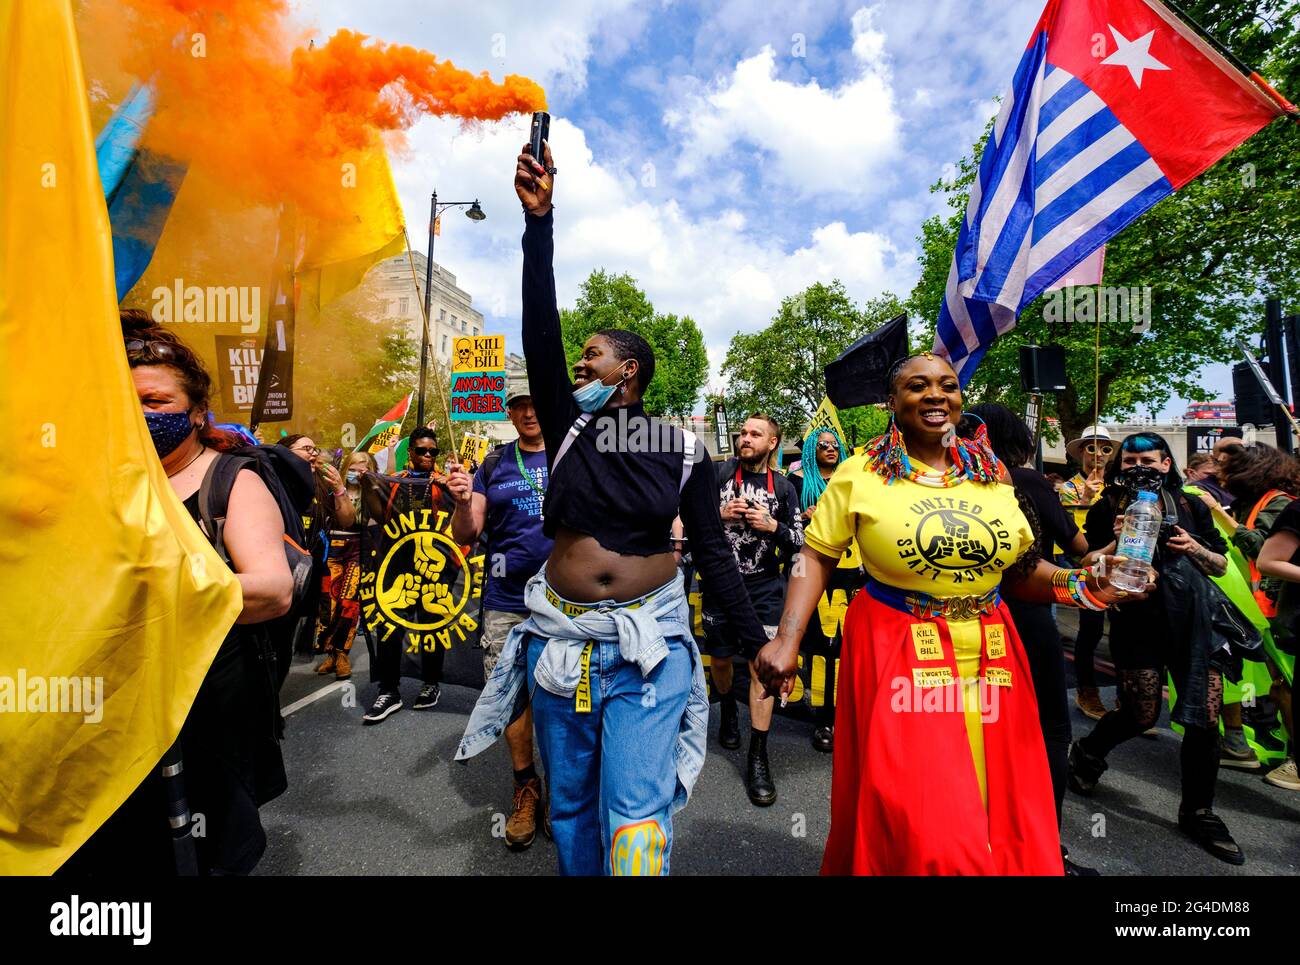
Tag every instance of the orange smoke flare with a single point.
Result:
(242, 96)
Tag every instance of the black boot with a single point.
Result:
(823, 739)
(729, 728)
(762, 792)
(1208, 830)
(1085, 770)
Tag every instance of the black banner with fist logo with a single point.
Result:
(416, 583)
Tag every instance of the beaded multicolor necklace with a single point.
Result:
(972, 459)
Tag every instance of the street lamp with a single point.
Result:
(475, 213)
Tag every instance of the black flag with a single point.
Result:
(857, 377)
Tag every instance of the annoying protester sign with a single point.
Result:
(478, 379)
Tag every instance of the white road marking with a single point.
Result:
(313, 697)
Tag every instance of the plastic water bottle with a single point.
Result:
(1137, 543)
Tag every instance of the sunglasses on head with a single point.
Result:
(424, 450)
(1099, 448)
(160, 351)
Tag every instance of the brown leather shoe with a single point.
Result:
(342, 667)
(327, 665)
(522, 826)
(1089, 701)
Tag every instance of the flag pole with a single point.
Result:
(424, 315)
(1245, 69)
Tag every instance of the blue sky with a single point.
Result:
(726, 154)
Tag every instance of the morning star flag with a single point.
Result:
(1114, 105)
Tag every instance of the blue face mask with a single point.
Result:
(593, 396)
(353, 477)
(168, 430)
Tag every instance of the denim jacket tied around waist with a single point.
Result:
(641, 634)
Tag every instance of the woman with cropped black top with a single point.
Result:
(618, 688)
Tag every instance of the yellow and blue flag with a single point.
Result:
(114, 603)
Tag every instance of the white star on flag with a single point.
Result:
(1133, 54)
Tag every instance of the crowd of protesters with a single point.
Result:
(588, 610)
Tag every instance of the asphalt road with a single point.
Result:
(388, 799)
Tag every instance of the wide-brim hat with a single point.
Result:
(1074, 448)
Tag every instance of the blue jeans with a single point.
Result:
(612, 770)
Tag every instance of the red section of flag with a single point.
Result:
(1184, 102)
(398, 412)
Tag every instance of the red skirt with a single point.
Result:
(905, 799)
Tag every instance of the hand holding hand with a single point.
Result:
(776, 666)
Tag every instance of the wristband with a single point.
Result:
(341, 492)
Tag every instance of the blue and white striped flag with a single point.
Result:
(1115, 105)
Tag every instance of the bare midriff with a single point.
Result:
(582, 571)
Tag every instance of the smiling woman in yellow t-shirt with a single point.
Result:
(939, 762)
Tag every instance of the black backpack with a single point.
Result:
(293, 486)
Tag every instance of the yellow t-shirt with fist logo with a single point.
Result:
(944, 542)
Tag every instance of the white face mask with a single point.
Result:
(593, 396)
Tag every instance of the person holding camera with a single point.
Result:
(619, 702)
(1143, 645)
(760, 516)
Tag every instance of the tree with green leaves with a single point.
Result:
(614, 301)
(779, 369)
(1210, 253)
(354, 364)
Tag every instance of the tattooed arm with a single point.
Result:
(1205, 560)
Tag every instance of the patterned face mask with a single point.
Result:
(168, 430)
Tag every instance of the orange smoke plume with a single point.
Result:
(243, 97)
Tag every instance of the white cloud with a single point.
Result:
(821, 140)
(723, 270)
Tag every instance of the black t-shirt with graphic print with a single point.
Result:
(759, 555)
